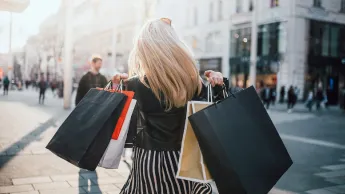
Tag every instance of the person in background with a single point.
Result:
(42, 85)
(291, 99)
(6, 83)
(91, 79)
(53, 86)
(282, 95)
(325, 100)
(319, 98)
(273, 93)
(310, 100)
(266, 96)
(343, 98)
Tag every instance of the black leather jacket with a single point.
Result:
(152, 127)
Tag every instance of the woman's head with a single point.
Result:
(166, 61)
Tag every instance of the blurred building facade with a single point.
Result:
(300, 43)
(104, 27)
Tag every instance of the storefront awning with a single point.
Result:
(14, 5)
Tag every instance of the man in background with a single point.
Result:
(6, 85)
(266, 96)
(42, 85)
(91, 79)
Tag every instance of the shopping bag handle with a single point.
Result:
(109, 85)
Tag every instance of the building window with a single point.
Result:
(220, 10)
(317, 3)
(269, 39)
(326, 39)
(238, 6)
(211, 12)
(334, 43)
(342, 8)
(251, 5)
(274, 3)
(240, 42)
(195, 16)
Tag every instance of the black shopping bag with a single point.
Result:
(241, 147)
(84, 136)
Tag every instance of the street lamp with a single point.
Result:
(254, 44)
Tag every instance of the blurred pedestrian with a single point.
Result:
(342, 100)
(6, 84)
(291, 99)
(53, 86)
(273, 93)
(42, 85)
(310, 99)
(282, 95)
(27, 83)
(91, 79)
(266, 96)
(319, 98)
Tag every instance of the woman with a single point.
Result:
(166, 79)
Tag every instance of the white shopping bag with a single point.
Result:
(112, 155)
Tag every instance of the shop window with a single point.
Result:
(317, 3)
(265, 46)
(239, 6)
(274, 3)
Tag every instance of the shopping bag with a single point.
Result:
(241, 146)
(84, 136)
(191, 165)
(112, 156)
(123, 116)
(120, 121)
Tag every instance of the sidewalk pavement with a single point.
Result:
(26, 167)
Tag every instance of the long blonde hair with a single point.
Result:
(166, 62)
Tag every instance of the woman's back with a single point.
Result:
(162, 129)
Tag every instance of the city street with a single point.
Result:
(315, 141)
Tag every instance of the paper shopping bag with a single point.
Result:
(84, 136)
(241, 146)
(123, 115)
(191, 165)
(121, 119)
(112, 156)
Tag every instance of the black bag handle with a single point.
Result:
(109, 85)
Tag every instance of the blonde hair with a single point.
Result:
(166, 62)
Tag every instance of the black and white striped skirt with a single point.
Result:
(154, 172)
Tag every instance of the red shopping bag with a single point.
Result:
(118, 126)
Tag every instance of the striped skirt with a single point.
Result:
(154, 172)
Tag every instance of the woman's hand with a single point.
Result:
(120, 76)
(215, 78)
